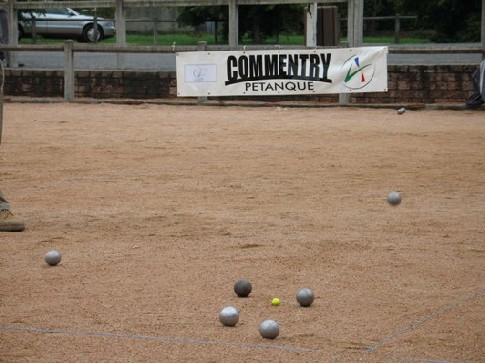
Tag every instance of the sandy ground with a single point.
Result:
(159, 210)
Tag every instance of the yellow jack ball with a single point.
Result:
(275, 301)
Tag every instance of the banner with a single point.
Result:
(281, 72)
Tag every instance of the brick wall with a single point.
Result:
(424, 84)
(407, 84)
(92, 84)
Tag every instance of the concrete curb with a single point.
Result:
(241, 103)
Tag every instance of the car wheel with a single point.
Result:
(89, 33)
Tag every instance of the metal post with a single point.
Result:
(120, 24)
(311, 25)
(201, 47)
(68, 71)
(233, 24)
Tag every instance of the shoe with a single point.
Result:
(8, 222)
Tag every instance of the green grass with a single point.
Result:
(192, 39)
(390, 40)
(140, 39)
(165, 39)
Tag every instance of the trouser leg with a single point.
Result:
(4, 34)
(3, 202)
(8, 222)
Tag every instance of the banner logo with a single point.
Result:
(358, 75)
(199, 73)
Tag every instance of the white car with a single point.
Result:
(64, 23)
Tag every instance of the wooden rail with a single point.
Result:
(156, 3)
(81, 47)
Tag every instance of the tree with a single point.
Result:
(196, 15)
(255, 22)
(261, 22)
(451, 20)
(373, 8)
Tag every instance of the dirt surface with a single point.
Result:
(159, 210)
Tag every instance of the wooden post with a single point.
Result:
(13, 33)
(120, 24)
(350, 22)
(355, 23)
(95, 28)
(397, 29)
(344, 98)
(483, 29)
(68, 71)
(356, 17)
(201, 47)
(233, 24)
(354, 34)
(311, 25)
(34, 30)
(155, 31)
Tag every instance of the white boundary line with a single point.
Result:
(416, 323)
(426, 360)
(370, 349)
(160, 339)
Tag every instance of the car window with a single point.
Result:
(57, 11)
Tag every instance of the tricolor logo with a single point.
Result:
(357, 74)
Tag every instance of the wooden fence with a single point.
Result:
(69, 48)
(354, 23)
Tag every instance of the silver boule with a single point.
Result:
(305, 297)
(269, 329)
(243, 288)
(394, 198)
(229, 316)
(401, 111)
(52, 258)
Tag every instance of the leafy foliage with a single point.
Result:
(450, 20)
(261, 22)
(255, 22)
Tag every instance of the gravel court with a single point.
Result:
(158, 210)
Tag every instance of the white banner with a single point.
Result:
(281, 72)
